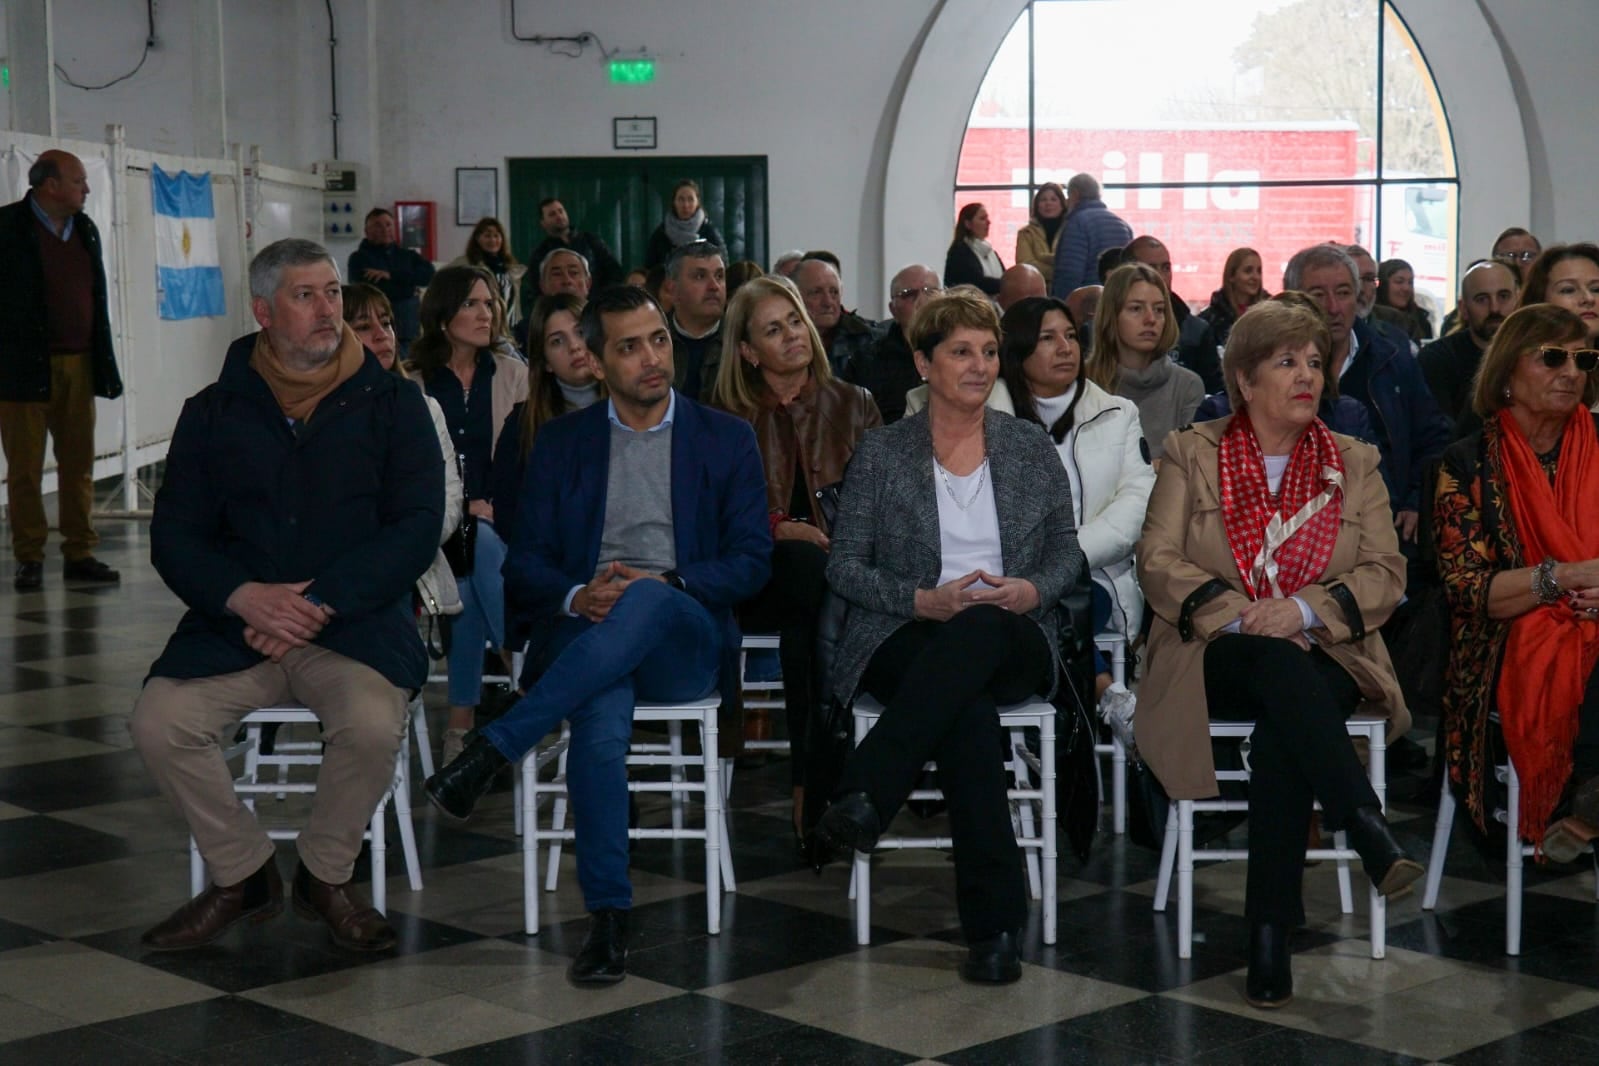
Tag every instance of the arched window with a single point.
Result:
(1214, 124)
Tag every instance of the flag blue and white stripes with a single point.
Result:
(188, 268)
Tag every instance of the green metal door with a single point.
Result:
(623, 199)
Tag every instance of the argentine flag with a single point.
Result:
(188, 269)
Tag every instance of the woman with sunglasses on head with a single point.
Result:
(1517, 530)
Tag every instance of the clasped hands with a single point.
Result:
(595, 600)
(952, 597)
(1274, 617)
(1580, 583)
(277, 618)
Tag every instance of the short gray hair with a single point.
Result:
(544, 263)
(266, 269)
(1314, 258)
(43, 169)
(1084, 185)
(701, 249)
(787, 257)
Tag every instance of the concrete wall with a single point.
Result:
(845, 99)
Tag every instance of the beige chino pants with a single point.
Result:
(179, 727)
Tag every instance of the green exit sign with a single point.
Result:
(632, 71)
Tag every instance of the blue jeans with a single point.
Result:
(481, 621)
(656, 644)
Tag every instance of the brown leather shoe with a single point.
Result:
(258, 898)
(354, 923)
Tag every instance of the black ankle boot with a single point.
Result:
(1270, 983)
(603, 958)
(1386, 863)
(994, 960)
(849, 824)
(455, 789)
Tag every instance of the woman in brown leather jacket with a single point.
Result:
(775, 374)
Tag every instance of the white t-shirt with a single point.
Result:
(967, 538)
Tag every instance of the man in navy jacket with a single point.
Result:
(302, 500)
(398, 272)
(644, 522)
(1091, 228)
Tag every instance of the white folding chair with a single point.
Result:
(1115, 646)
(761, 695)
(286, 753)
(718, 859)
(1178, 848)
(1515, 852)
(1035, 836)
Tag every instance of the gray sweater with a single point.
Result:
(1167, 396)
(885, 544)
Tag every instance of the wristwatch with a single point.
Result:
(675, 579)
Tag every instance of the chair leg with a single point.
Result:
(861, 885)
(1377, 769)
(196, 869)
(380, 858)
(1185, 879)
(1118, 788)
(1440, 847)
(1346, 891)
(419, 729)
(1049, 816)
(713, 824)
(557, 823)
(1168, 859)
(530, 848)
(402, 815)
(1513, 862)
(1022, 814)
(674, 738)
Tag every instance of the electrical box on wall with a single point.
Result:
(344, 197)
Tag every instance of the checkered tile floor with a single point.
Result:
(90, 856)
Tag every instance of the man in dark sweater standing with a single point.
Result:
(55, 358)
(397, 271)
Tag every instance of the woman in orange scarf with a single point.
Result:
(1517, 523)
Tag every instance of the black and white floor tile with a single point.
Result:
(90, 856)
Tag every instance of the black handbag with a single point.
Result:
(1148, 804)
(1076, 775)
(830, 737)
(460, 550)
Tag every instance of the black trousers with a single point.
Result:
(1299, 753)
(790, 604)
(940, 684)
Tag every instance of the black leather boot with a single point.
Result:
(603, 958)
(1386, 863)
(995, 960)
(456, 788)
(849, 824)
(1270, 983)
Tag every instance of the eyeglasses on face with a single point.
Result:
(1516, 257)
(1554, 357)
(911, 294)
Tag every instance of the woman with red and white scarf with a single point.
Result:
(1269, 560)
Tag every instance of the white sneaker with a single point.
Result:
(1116, 709)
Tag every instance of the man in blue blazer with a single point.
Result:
(645, 522)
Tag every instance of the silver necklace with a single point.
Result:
(982, 476)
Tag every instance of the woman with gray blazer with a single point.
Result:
(954, 542)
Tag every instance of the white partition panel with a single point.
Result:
(164, 362)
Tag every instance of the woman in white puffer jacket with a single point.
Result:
(1101, 443)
